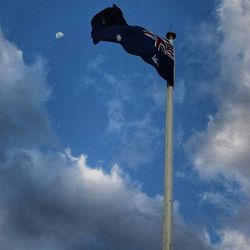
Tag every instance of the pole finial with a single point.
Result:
(171, 35)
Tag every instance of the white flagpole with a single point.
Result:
(168, 177)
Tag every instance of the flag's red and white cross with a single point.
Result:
(161, 44)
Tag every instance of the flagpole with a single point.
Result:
(168, 176)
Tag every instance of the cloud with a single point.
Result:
(180, 91)
(218, 200)
(186, 236)
(234, 240)
(220, 153)
(133, 103)
(236, 231)
(224, 147)
(23, 93)
(58, 202)
(54, 200)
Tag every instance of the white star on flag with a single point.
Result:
(118, 37)
(155, 59)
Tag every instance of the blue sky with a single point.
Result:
(82, 128)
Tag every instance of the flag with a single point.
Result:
(109, 25)
(107, 17)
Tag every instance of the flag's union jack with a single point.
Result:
(161, 44)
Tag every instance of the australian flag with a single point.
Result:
(109, 25)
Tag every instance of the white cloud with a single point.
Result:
(180, 91)
(224, 147)
(220, 200)
(56, 197)
(221, 152)
(234, 240)
(57, 201)
(23, 93)
(131, 102)
(140, 141)
(54, 200)
(116, 116)
(189, 237)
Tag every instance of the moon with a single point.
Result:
(59, 35)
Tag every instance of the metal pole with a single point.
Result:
(168, 177)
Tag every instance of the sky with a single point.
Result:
(82, 128)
